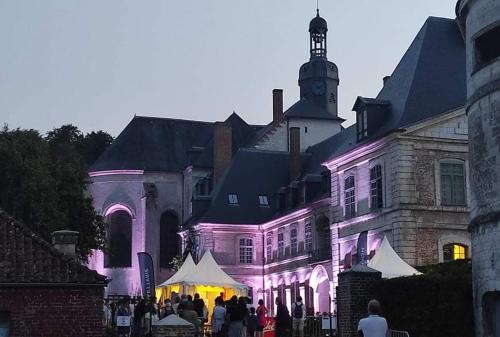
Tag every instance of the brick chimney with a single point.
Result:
(223, 149)
(295, 164)
(65, 241)
(277, 105)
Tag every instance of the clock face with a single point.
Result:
(318, 88)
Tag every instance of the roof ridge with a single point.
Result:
(173, 119)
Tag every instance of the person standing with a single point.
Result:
(190, 315)
(236, 314)
(218, 318)
(298, 318)
(282, 319)
(252, 323)
(374, 325)
(106, 313)
(123, 316)
(261, 318)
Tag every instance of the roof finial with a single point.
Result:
(317, 7)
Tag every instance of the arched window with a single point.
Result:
(376, 196)
(246, 250)
(349, 197)
(119, 237)
(452, 182)
(169, 239)
(454, 251)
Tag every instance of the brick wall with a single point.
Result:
(353, 294)
(53, 312)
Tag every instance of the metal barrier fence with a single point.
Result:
(313, 327)
(395, 333)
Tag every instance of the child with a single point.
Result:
(253, 323)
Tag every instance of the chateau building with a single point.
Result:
(281, 206)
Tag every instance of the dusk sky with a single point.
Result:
(95, 64)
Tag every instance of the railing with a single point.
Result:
(313, 327)
(319, 255)
(395, 333)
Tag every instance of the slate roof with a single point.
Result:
(252, 173)
(25, 258)
(163, 144)
(428, 81)
(305, 109)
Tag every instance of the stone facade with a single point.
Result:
(480, 20)
(145, 197)
(413, 216)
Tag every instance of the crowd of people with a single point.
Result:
(235, 317)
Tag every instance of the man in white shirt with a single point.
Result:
(298, 317)
(373, 325)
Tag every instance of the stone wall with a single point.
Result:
(55, 312)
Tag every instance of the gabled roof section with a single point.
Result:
(164, 144)
(306, 109)
(252, 173)
(25, 258)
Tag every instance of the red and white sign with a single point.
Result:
(269, 327)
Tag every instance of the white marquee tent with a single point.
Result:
(206, 278)
(388, 262)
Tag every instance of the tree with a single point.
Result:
(93, 144)
(44, 181)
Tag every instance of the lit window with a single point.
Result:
(263, 201)
(246, 250)
(452, 184)
(453, 251)
(376, 200)
(293, 239)
(232, 199)
(349, 197)
(308, 236)
(281, 242)
(269, 247)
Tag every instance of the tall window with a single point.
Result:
(452, 184)
(281, 242)
(376, 196)
(293, 239)
(308, 235)
(119, 235)
(454, 251)
(349, 197)
(362, 124)
(169, 239)
(269, 247)
(246, 250)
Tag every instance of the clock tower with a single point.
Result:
(319, 78)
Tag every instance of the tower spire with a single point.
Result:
(317, 30)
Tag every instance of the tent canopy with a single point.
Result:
(388, 262)
(209, 273)
(186, 269)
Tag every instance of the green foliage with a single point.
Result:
(438, 303)
(44, 181)
(176, 263)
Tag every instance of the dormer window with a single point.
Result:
(232, 199)
(263, 201)
(362, 124)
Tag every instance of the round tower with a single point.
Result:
(480, 24)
